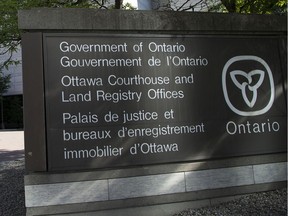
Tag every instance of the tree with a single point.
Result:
(118, 4)
(256, 6)
(231, 6)
(4, 86)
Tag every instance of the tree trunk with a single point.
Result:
(2, 113)
(230, 5)
(118, 4)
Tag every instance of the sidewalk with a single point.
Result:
(11, 145)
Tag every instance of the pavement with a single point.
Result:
(11, 145)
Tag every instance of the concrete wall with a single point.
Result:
(154, 21)
(155, 189)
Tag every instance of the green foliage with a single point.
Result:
(256, 6)
(231, 6)
(9, 39)
(4, 83)
(9, 34)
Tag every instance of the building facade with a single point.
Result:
(11, 106)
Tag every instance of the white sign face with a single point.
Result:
(249, 83)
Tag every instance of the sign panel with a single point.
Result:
(126, 100)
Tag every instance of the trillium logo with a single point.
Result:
(248, 85)
(244, 86)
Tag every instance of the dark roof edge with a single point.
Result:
(95, 19)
